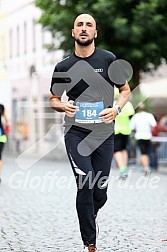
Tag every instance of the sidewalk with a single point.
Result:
(38, 210)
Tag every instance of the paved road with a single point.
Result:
(37, 210)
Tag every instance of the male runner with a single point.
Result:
(89, 120)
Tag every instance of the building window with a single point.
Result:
(11, 43)
(34, 35)
(43, 38)
(14, 111)
(25, 38)
(18, 40)
(2, 48)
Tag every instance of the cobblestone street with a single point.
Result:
(37, 210)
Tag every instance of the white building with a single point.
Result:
(29, 66)
(5, 88)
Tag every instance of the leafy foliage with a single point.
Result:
(135, 30)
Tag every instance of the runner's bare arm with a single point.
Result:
(124, 94)
(58, 105)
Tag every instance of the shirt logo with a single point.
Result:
(98, 70)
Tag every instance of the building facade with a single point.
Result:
(26, 67)
(5, 88)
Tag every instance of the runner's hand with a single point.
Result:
(70, 109)
(108, 115)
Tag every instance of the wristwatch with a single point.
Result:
(118, 109)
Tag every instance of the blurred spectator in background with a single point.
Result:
(143, 123)
(21, 134)
(121, 138)
(18, 135)
(162, 125)
(25, 128)
(154, 147)
(4, 124)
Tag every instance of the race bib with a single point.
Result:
(89, 112)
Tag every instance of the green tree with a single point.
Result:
(135, 30)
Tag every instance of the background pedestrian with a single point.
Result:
(143, 123)
(3, 138)
(121, 138)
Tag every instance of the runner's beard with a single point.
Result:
(84, 43)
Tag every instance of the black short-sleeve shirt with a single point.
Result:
(90, 78)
